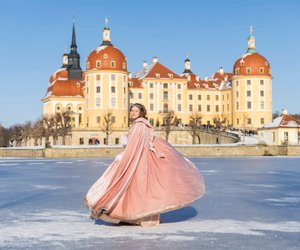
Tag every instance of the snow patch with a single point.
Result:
(286, 200)
(45, 187)
(9, 164)
(263, 185)
(61, 225)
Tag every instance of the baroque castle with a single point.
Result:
(242, 98)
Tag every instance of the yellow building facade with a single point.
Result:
(241, 99)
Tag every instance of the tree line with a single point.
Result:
(55, 126)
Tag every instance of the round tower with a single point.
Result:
(251, 89)
(106, 89)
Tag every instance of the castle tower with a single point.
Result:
(65, 87)
(75, 72)
(251, 89)
(106, 87)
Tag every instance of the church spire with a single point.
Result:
(251, 42)
(74, 59)
(73, 44)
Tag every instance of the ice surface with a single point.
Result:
(250, 203)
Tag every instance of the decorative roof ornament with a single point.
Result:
(106, 22)
(106, 34)
(251, 30)
(251, 42)
(187, 66)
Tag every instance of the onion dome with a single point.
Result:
(106, 56)
(252, 63)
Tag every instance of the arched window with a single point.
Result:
(98, 64)
(58, 109)
(124, 65)
(112, 64)
(261, 70)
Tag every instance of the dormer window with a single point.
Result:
(170, 76)
(266, 63)
(248, 70)
(242, 63)
(157, 75)
(98, 64)
(112, 64)
(88, 65)
(261, 70)
(105, 56)
(237, 71)
(124, 65)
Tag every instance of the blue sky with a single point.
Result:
(34, 34)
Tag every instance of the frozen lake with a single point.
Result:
(250, 203)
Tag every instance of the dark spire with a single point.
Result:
(74, 59)
(73, 45)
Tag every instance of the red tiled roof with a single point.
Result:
(212, 83)
(135, 83)
(254, 61)
(107, 54)
(163, 72)
(60, 85)
(67, 88)
(288, 121)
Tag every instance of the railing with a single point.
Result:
(213, 131)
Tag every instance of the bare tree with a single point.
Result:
(16, 134)
(195, 123)
(107, 125)
(3, 136)
(26, 132)
(56, 127)
(38, 132)
(65, 125)
(169, 120)
(48, 124)
(218, 122)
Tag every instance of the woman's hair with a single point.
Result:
(141, 107)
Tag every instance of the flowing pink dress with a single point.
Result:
(148, 178)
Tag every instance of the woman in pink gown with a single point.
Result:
(148, 178)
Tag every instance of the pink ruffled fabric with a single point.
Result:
(148, 178)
